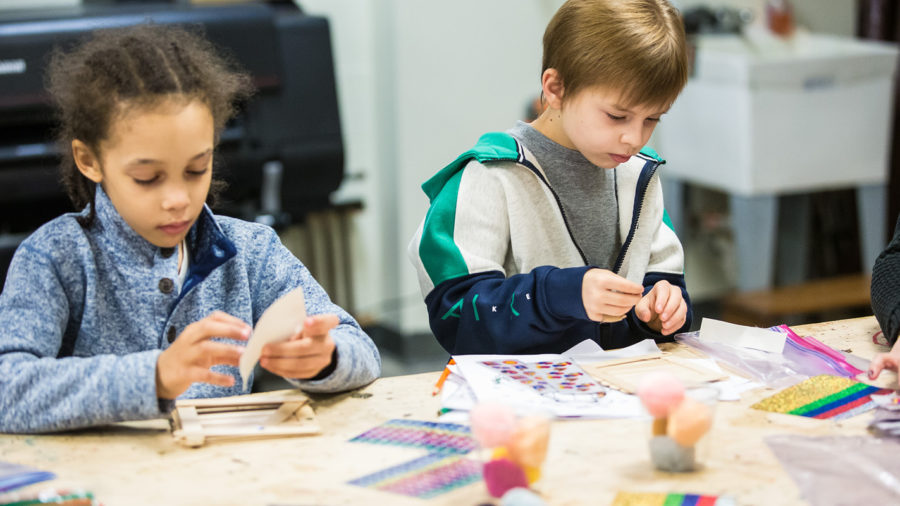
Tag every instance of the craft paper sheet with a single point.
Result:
(283, 319)
(823, 397)
(489, 385)
(716, 331)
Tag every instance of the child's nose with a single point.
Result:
(632, 134)
(176, 197)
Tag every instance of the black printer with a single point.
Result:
(282, 156)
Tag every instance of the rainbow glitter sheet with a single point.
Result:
(823, 397)
(662, 499)
(424, 477)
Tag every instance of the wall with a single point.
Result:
(419, 81)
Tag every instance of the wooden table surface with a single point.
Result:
(588, 461)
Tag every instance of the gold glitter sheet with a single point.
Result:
(804, 393)
(639, 499)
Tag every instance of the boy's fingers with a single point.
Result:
(621, 284)
(673, 304)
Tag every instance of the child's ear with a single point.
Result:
(552, 85)
(87, 163)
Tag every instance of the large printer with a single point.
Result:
(282, 155)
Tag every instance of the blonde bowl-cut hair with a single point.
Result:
(634, 46)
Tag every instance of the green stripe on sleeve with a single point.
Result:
(439, 254)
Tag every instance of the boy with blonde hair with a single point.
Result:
(554, 232)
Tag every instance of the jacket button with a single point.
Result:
(166, 252)
(166, 285)
(170, 334)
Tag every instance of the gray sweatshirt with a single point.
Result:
(85, 313)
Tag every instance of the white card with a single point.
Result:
(716, 331)
(279, 322)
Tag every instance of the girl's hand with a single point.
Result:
(608, 297)
(663, 308)
(305, 354)
(189, 359)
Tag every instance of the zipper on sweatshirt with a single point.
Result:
(643, 183)
(527, 163)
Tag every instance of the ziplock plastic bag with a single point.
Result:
(812, 355)
(802, 357)
(772, 369)
(835, 470)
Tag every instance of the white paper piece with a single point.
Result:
(729, 389)
(489, 385)
(280, 321)
(716, 331)
(589, 351)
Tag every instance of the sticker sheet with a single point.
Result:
(550, 378)
(425, 477)
(435, 437)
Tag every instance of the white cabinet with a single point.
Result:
(766, 117)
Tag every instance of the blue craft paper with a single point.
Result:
(13, 476)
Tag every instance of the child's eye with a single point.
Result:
(614, 117)
(654, 120)
(196, 173)
(146, 182)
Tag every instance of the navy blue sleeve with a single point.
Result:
(490, 313)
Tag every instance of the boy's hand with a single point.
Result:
(189, 359)
(890, 360)
(663, 308)
(305, 354)
(607, 296)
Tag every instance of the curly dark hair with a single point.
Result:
(137, 66)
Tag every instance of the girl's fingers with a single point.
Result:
(208, 328)
(318, 326)
(296, 368)
(214, 378)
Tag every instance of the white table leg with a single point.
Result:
(792, 257)
(871, 203)
(753, 221)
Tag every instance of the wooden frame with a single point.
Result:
(277, 414)
(625, 374)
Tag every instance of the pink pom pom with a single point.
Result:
(660, 392)
(492, 424)
(501, 475)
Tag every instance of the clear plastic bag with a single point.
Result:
(838, 470)
(772, 369)
(802, 357)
